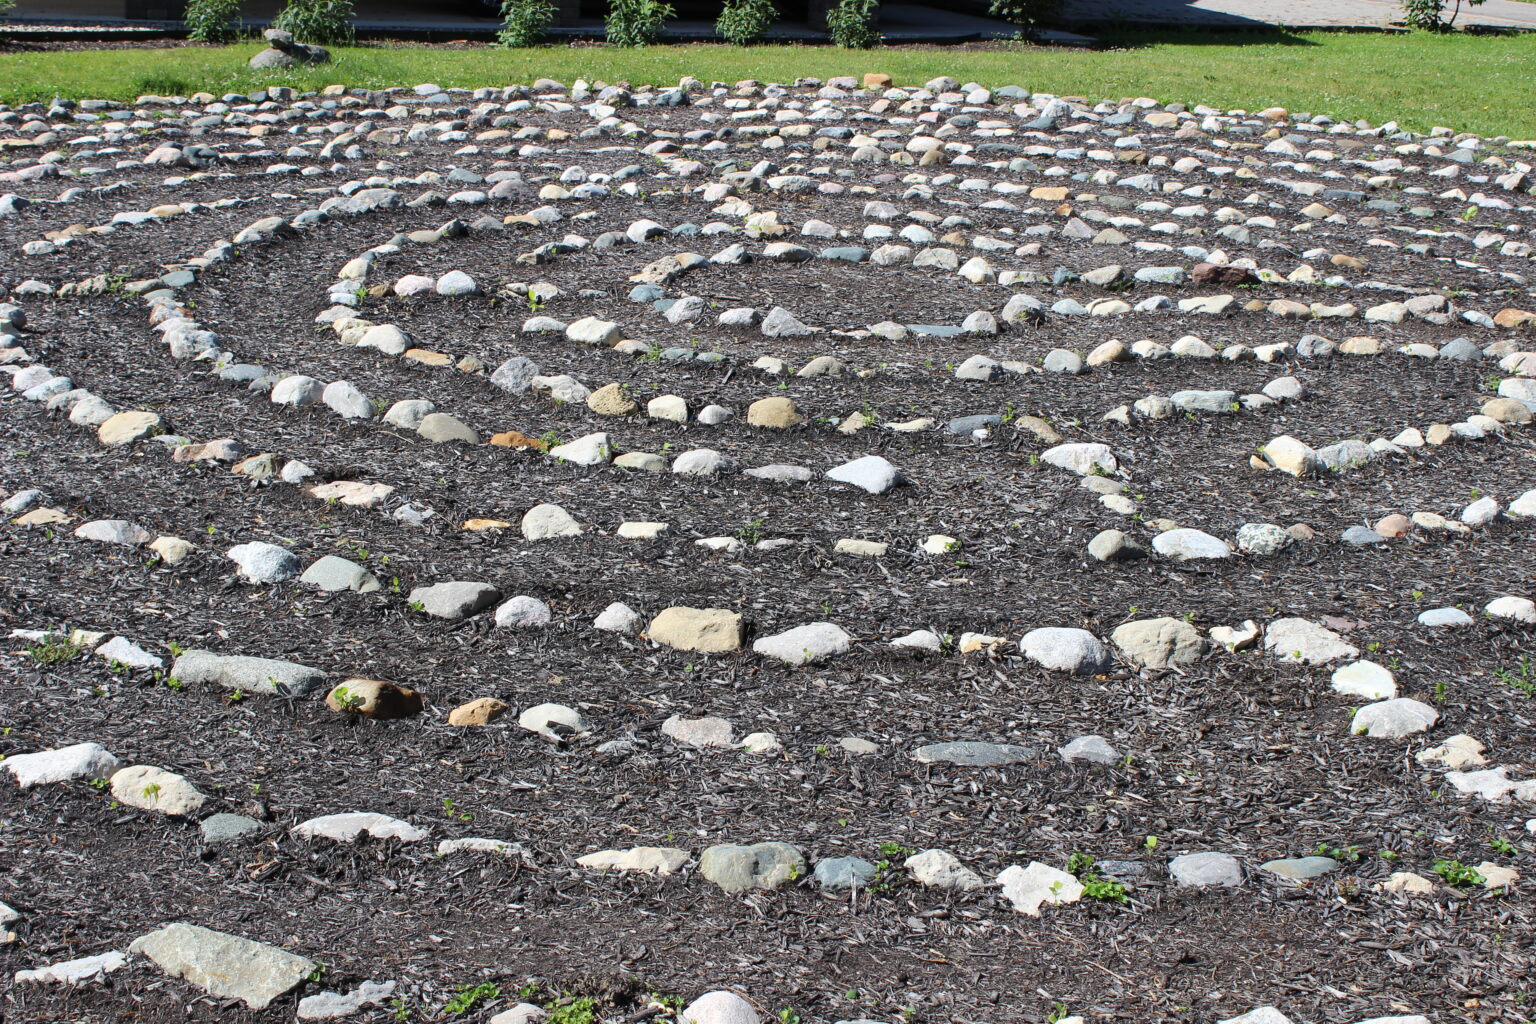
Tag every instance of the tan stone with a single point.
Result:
(374, 698)
(1340, 259)
(1395, 525)
(776, 412)
(1507, 410)
(427, 357)
(1361, 346)
(477, 525)
(610, 400)
(514, 439)
(708, 630)
(1514, 317)
(42, 517)
(481, 711)
(877, 80)
(171, 549)
(1049, 193)
(1439, 433)
(128, 427)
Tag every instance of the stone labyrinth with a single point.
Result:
(822, 552)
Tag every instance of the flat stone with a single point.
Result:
(760, 866)
(973, 754)
(89, 970)
(1394, 719)
(77, 761)
(252, 675)
(1444, 617)
(1301, 640)
(127, 427)
(328, 1005)
(1186, 544)
(699, 732)
(225, 966)
(803, 645)
(1300, 869)
(708, 630)
(872, 473)
(454, 600)
(648, 860)
(333, 573)
(1081, 458)
(348, 827)
(1203, 869)
(1364, 679)
(844, 873)
(224, 828)
(114, 531)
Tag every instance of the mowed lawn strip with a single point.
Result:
(1474, 83)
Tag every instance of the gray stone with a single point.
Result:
(1063, 649)
(225, 966)
(844, 872)
(1263, 539)
(114, 531)
(523, 612)
(1300, 640)
(971, 753)
(1393, 719)
(441, 428)
(872, 473)
(1361, 536)
(1300, 869)
(1093, 749)
(87, 970)
(347, 827)
(454, 600)
(325, 1005)
(1115, 546)
(699, 732)
(759, 866)
(701, 462)
(1202, 869)
(1159, 643)
(619, 617)
(1186, 544)
(803, 645)
(1060, 360)
(1443, 617)
(345, 400)
(515, 375)
(261, 562)
(780, 323)
(1203, 401)
(333, 573)
(222, 828)
(252, 675)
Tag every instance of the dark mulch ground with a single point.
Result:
(1239, 753)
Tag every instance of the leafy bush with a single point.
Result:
(326, 22)
(6, 6)
(1025, 13)
(1430, 14)
(211, 21)
(854, 24)
(636, 22)
(744, 22)
(523, 22)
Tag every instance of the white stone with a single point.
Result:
(1030, 888)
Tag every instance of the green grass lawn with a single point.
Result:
(1476, 83)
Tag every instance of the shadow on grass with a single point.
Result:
(1113, 38)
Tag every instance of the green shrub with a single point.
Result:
(1025, 13)
(6, 6)
(326, 22)
(636, 22)
(855, 24)
(524, 22)
(1430, 14)
(744, 22)
(212, 21)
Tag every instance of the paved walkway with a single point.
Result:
(1290, 13)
